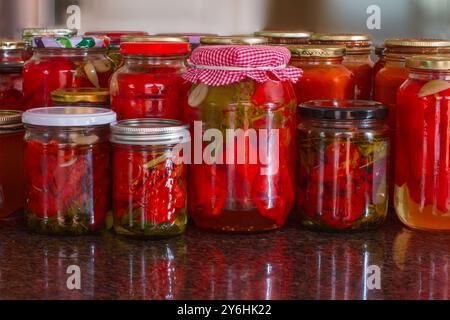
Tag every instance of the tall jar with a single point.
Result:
(380, 63)
(65, 63)
(324, 76)
(422, 175)
(149, 184)
(342, 168)
(11, 82)
(67, 169)
(390, 78)
(241, 109)
(116, 39)
(11, 162)
(285, 37)
(81, 97)
(149, 84)
(29, 33)
(357, 59)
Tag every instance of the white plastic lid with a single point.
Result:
(68, 116)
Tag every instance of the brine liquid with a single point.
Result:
(416, 216)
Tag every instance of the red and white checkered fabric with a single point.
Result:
(221, 65)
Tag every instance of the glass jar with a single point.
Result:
(357, 58)
(67, 169)
(285, 37)
(324, 76)
(81, 97)
(11, 63)
(342, 169)
(150, 83)
(390, 78)
(29, 33)
(116, 39)
(233, 40)
(422, 174)
(11, 162)
(380, 63)
(149, 183)
(65, 63)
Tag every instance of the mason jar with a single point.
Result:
(65, 62)
(149, 177)
(11, 81)
(81, 97)
(242, 114)
(67, 169)
(422, 168)
(11, 162)
(343, 148)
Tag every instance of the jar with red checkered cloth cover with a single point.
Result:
(241, 109)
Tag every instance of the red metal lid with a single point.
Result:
(154, 48)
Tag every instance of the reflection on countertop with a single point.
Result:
(291, 263)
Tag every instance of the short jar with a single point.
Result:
(149, 177)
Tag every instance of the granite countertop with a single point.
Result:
(290, 263)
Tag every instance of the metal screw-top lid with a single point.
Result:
(343, 110)
(10, 120)
(151, 131)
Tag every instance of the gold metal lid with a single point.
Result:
(230, 40)
(315, 50)
(283, 34)
(33, 32)
(429, 62)
(80, 95)
(11, 44)
(10, 119)
(412, 42)
(340, 37)
(154, 39)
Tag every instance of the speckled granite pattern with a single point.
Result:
(291, 263)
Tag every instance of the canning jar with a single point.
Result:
(422, 174)
(11, 162)
(324, 76)
(81, 97)
(357, 58)
(391, 77)
(380, 63)
(242, 110)
(285, 37)
(29, 33)
(233, 40)
(149, 83)
(115, 41)
(342, 169)
(149, 177)
(67, 169)
(65, 63)
(11, 63)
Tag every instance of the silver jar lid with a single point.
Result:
(151, 131)
(10, 120)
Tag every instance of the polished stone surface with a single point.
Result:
(291, 263)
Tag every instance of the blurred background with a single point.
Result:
(421, 18)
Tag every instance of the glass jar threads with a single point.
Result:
(422, 168)
(11, 162)
(357, 58)
(150, 83)
(67, 169)
(285, 37)
(233, 40)
(115, 41)
(149, 188)
(81, 97)
(65, 63)
(324, 76)
(11, 83)
(244, 105)
(342, 173)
